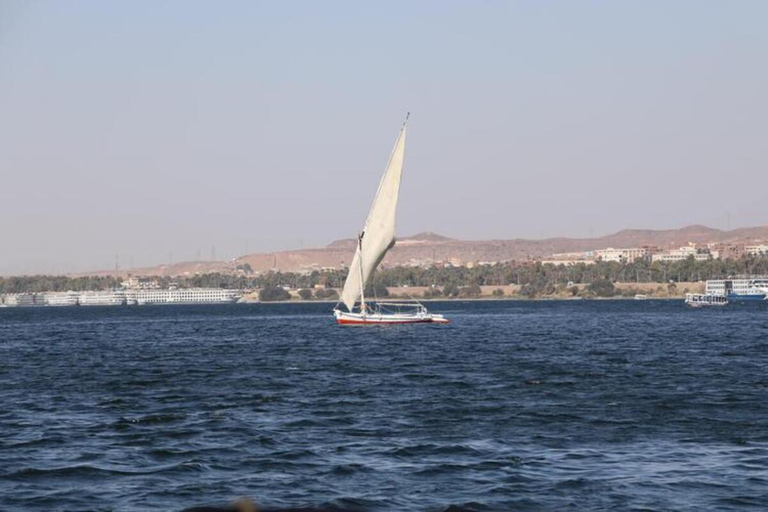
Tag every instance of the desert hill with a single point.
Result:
(426, 248)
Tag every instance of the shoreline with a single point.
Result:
(475, 299)
(331, 302)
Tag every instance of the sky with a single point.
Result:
(171, 131)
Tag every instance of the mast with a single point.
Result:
(362, 281)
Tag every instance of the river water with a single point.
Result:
(582, 405)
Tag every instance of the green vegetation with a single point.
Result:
(601, 288)
(433, 292)
(451, 290)
(244, 267)
(534, 279)
(326, 294)
(540, 284)
(376, 290)
(273, 293)
(471, 291)
(35, 284)
(305, 294)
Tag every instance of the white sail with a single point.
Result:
(378, 235)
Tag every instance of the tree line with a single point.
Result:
(533, 277)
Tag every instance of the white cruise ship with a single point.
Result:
(22, 299)
(183, 296)
(117, 298)
(739, 289)
(62, 298)
(123, 297)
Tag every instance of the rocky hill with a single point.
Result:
(426, 248)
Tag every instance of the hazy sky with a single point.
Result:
(149, 128)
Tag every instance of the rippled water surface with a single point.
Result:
(514, 406)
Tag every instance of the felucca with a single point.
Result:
(373, 242)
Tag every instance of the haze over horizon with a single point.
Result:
(162, 130)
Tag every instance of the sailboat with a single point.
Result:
(373, 242)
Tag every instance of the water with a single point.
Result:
(598, 405)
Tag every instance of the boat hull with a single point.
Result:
(343, 318)
(733, 297)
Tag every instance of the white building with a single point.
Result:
(568, 262)
(140, 283)
(570, 259)
(683, 253)
(622, 255)
(756, 250)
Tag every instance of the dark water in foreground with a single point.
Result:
(515, 405)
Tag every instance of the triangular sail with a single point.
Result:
(378, 235)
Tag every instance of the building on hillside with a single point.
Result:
(756, 250)
(140, 283)
(726, 251)
(570, 259)
(623, 255)
(453, 262)
(683, 253)
(586, 255)
(568, 263)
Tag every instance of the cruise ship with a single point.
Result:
(22, 299)
(739, 289)
(140, 296)
(182, 296)
(62, 299)
(117, 298)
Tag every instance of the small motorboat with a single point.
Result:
(698, 300)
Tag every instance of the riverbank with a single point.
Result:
(514, 292)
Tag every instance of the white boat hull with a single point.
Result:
(346, 318)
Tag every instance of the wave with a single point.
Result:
(92, 471)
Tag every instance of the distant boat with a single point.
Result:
(698, 300)
(105, 298)
(62, 299)
(640, 296)
(373, 242)
(739, 289)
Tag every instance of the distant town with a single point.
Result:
(628, 255)
(429, 249)
(668, 268)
